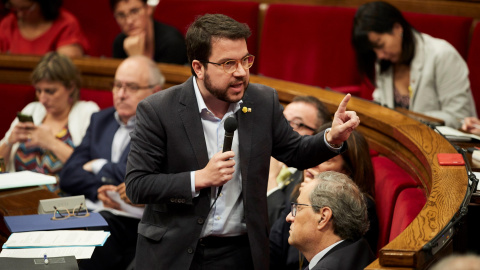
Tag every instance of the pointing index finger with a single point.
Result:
(343, 105)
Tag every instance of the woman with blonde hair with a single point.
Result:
(60, 120)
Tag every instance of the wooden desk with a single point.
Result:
(409, 143)
(20, 201)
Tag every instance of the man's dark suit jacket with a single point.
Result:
(348, 255)
(97, 143)
(168, 143)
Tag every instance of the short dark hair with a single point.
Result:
(323, 114)
(379, 17)
(339, 193)
(201, 32)
(113, 3)
(50, 9)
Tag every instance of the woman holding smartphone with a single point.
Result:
(60, 120)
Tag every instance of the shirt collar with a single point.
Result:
(130, 122)
(320, 255)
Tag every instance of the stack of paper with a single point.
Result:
(25, 179)
(53, 243)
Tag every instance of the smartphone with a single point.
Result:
(450, 159)
(24, 117)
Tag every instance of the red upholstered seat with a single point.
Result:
(473, 62)
(98, 24)
(454, 29)
(181, 13)
(409, 203)
(309, 45)
(14, 98)
(104, 99)
(390, 180)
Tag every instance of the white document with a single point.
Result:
(61, 238)
(456, 135)
(25, 179)
(78, 252)
(128, 210)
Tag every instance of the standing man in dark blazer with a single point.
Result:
(176, 165)
(328, 224)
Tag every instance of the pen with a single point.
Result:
(45, 259)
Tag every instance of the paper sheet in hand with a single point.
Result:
(25, 179)
(44, 222)
(131, 211)
(56, 239)
(79, 252)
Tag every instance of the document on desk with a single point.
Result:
(456, 135)
(62, 238)
(128, 210)
(79, 252)
(25, 179)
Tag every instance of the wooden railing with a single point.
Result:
(409, 143)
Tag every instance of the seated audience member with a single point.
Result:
(40, 26)
(60, 120)
(458, 262)
(471, 124)
(98, 164)
(410, 69)
(101, 157)
(354, 162)
(305, 115)
(328, 222)
(145, 36)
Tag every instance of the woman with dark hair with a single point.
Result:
(410, 69)
(354, 162)
(60, 120)
(40, 26)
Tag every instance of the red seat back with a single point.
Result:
(98, 24)
(473, 62)
(14, 98)
(454, 29)
(181, 13)
(104, 99)
(315, 49)
(390, 180)
(409, 203)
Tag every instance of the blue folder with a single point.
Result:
(44, 222)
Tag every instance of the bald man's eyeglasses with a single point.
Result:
(131, 88)
(294, 207)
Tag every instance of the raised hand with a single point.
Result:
(344, 122)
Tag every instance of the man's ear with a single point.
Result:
(324, 216)
(199, 69)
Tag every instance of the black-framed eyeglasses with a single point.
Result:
(230, 66)
(129, 87)
(63, 213)
(294, 207)
(298, 125)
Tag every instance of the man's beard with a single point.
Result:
(222, 94)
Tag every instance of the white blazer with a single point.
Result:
(439, 80)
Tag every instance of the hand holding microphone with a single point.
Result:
(230, 126)
(220, 167)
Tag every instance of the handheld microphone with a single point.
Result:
(230, 126)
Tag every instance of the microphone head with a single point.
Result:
(230, 124)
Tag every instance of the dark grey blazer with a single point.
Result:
(348, 255)
(168, 143)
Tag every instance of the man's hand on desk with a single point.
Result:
(108, 202)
